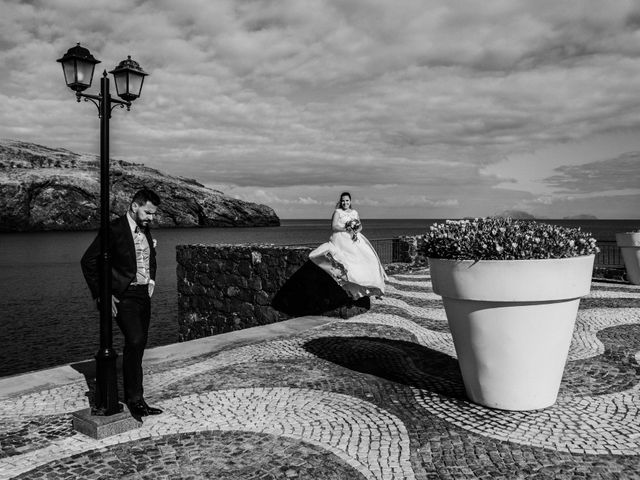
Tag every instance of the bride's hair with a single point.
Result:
(340, 198)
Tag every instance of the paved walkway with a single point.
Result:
(378, 396)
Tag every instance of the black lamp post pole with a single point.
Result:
(78, 65)
(106, 398)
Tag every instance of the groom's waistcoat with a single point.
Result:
(123, 258)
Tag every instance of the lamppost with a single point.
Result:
(78, 65)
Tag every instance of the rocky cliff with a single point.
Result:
(43, 188)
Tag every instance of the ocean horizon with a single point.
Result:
(48, 317)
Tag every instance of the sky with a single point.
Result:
(419, 108)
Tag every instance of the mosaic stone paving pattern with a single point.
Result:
(378, 396)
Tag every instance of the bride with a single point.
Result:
(348, 256)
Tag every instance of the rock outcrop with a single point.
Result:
(43, 188)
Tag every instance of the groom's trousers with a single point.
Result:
(134, 314)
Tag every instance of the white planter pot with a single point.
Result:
(629, 244)
(512, 323)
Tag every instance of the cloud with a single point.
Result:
(615, 174)
(412, 201)
(605, 206)
(287, 94)
(543, 200)
(299, 169)
(270, 198)
(309, 201)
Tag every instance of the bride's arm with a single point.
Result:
(336, 224)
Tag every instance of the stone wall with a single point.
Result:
(408, 251)
(222, 288)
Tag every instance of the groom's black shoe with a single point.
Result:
(151, 410)
(137, 409)
(141, 409)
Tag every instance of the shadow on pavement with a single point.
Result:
(88, 369)
(312, 291)
(395, 360)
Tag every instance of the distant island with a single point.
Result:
(581, 217)
(521, 215)
(517, 214)
(44, 188)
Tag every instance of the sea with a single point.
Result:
(47, 317)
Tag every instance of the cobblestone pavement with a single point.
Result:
(378, 396)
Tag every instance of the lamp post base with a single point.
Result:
(95, 426)
(106, 398)
(104, 412)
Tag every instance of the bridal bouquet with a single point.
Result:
(352, 226)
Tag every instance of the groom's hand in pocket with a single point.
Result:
(114, 307)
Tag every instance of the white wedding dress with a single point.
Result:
(353, 264)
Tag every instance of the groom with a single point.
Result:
(133, 273)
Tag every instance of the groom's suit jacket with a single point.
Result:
(123, 258)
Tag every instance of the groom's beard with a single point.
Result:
(143, 224)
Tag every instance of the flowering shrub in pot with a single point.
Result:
(511, 291)
(505, 239)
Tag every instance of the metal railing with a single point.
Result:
(609, 255)
(388, 249)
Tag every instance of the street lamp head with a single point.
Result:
(129, 77)
(78, 65)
